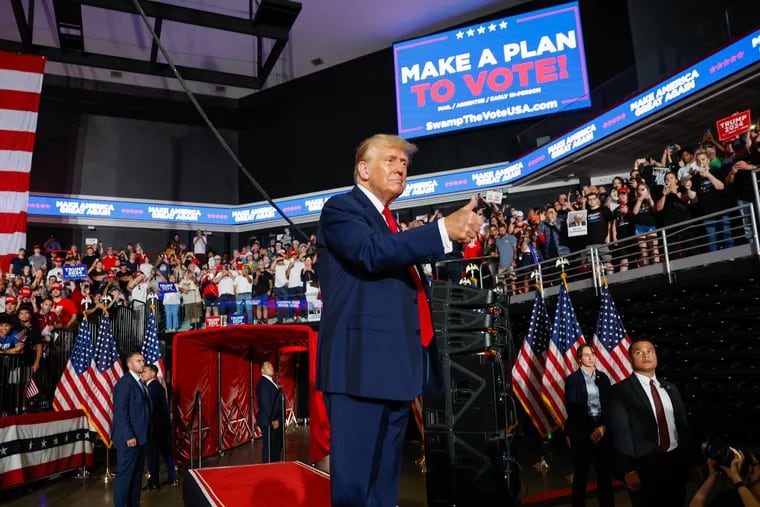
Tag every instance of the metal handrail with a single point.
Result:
(197, 409)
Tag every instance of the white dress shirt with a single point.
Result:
(667, 404)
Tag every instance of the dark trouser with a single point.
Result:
(366, 445)
(272, 449)
(295, 296)
(281, 295)
(663, 480)
(130, 462)
(586, 452)
(227, 304)
(160, 446)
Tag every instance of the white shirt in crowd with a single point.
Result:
(294, 280)
(280, 275)
(140, 292)
(242, 285)
(172, 298)
(199, 245)
(226, 285)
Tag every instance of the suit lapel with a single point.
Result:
(640, 395)
(371, 211)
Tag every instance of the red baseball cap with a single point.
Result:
(25, 292)
(56, 286)
(111, 274)
(10, 299)
(58, 259)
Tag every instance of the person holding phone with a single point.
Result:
(643, 211)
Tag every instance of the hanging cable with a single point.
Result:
(208, 122)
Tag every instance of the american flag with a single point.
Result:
(20, 85)
(31, 390)
(418, 417)
(77, 387)
(107, 371)
(151, 349)
(611, 341)
(560, 358)
(528, 371)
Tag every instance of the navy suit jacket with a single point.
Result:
(633, 424)
(270, 403)
(369, 338)
(160, 420)
(576, 403)
(131, 412)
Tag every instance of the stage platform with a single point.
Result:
(290, 483)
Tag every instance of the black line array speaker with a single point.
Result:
(467, 451)
(475, 396)
(470, 469)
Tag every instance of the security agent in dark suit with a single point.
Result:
(269, 419)
(159, 435)
(371, 358)
(649, 433)
(587, 398)
(129, 433)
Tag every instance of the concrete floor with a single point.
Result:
(69, 491)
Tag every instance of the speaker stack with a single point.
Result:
(467, 432)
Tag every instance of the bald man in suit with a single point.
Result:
(650, 433)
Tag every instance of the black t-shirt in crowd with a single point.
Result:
(654, 177)
(89, 260)
(675, 210)
(261, 286)
(598, 221)
(623, 223)
(709, 199)
(645, 216)
(31, 337)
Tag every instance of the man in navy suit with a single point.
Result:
(269, 419)
(159, 435)
(129, 433)
(587, 400)
(650, 433)
(374, 351)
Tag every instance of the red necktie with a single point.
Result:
(659, 412)
(426, 321)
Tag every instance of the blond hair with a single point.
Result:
(386, 140)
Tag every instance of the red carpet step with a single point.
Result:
(290, 483)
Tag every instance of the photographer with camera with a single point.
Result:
(743, 471)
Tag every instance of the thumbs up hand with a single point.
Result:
(464, 224)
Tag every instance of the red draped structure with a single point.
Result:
(222, 367)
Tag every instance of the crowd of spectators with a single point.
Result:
(684, 183)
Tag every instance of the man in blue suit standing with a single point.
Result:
(376, 351)
(129, 433)
(159, 435)
(269, 419)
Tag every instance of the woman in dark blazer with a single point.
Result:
(587, 392)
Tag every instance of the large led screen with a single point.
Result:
(501, 70)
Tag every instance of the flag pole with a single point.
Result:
(108, 476)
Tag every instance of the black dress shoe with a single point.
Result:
(150, 487)
(173, 483)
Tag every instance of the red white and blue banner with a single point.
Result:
(35, 446)
(20, 86)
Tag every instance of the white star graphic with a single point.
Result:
(460, 34)
(55, 441)
(31, 444)
(492, 27)
(503, 25)
(470, 32)
(78, 436)
(481, 30)
(44, 444)
(3, 451)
